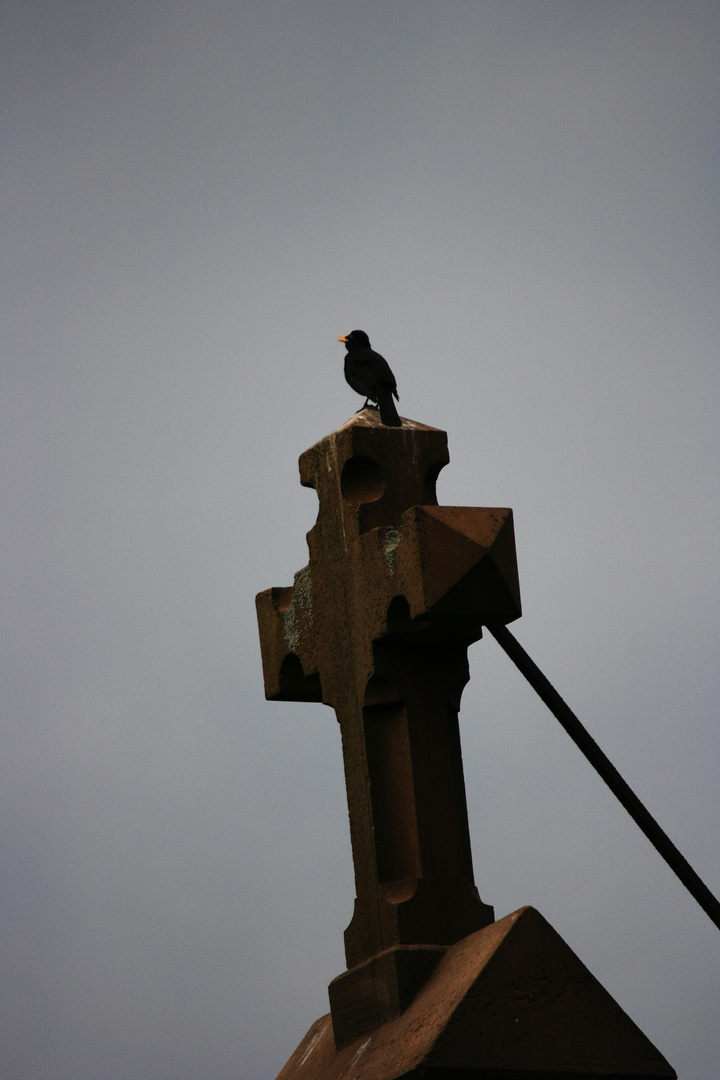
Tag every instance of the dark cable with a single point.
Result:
(642, 817)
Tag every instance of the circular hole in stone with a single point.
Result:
(362, 480)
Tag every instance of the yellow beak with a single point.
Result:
(342, 338)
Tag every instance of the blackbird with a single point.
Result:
(369, 374)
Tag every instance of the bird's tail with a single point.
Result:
(388, 412)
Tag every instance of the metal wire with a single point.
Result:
(584, 741)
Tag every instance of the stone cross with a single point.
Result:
(378, 626)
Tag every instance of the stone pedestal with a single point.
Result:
(510, 1001)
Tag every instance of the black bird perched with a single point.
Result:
(369, 374)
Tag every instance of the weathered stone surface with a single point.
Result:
(511, 1000)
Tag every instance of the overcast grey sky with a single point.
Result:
(519, 202)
